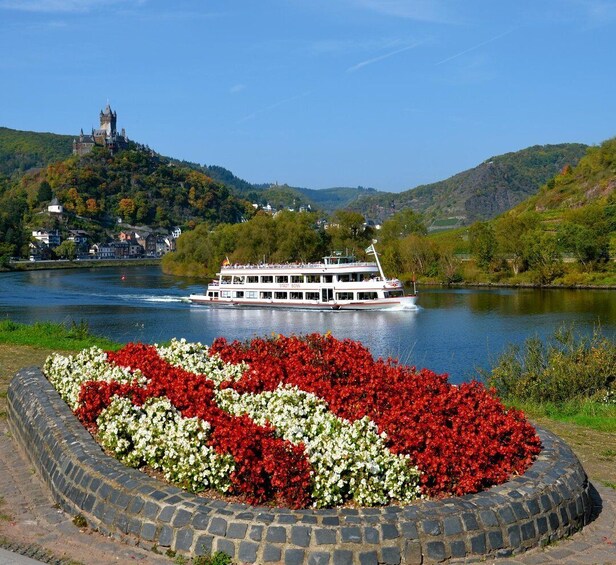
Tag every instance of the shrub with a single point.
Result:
(567, 366)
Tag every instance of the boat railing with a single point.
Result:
(299, 265)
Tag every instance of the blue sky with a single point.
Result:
(316, 93)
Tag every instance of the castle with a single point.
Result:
(106, 136)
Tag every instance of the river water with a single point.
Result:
(453, 331)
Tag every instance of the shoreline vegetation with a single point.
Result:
(14, 266)
(153, 262)
(579, 414)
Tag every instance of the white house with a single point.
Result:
(55, 207)
(51, 238)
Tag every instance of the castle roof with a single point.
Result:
(107, 111)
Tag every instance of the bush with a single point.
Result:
(568, 366)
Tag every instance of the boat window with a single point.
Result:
(394, 294)
(344, 296)
(280, 295)
(252, 279)
(282, 279)
(344, 278)
(266, 295)
(225, 280)
(297, 296)
(367, 296)
(297, 278)
(267, 279)
(312, 296)
(238, 294)
(225, 294)
(313, 278)
(251, 294)
(239, 280)
(327, 278)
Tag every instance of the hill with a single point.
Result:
(480, 193)
(592, 181)
(21, 151)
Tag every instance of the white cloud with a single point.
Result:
(66, 6)
(469, 49)
(237, 88)
(381, 57)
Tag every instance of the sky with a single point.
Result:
(389, 94)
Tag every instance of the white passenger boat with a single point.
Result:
(338, 283)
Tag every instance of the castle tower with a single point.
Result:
(108, 121)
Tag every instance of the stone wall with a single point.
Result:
(550, 501)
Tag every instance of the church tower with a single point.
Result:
(108, 121)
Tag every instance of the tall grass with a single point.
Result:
(569, 377)
(49, 335)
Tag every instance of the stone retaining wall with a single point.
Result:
(550, 501)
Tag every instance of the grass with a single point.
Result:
(49, 335)
(584, 413)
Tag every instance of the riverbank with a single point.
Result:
(78, 264)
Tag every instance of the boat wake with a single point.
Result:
(151, 298)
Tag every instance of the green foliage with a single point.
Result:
(401, 224)
(482, 239)
(21, 151)
(289, 236)
(137, 186)
(541, 254)
(348, 231)
(217, 558)
(585, 412)
(566, 367)
(52, 336)
(66, 250)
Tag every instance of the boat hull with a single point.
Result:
(398, 303)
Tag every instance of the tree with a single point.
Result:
(543, 256)
(585, 243)
(401, 224)
(482, 241)
(510, 230)
(348, 230)
(44, 193)
(66, 250)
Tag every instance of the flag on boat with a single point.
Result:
(226, 262)
(370, 250)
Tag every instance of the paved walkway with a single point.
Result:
(31, 524)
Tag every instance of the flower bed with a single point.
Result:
(297, 421)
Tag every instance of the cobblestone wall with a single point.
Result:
(548, 502)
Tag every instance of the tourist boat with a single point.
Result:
(339, 282)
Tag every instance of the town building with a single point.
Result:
(51, 238)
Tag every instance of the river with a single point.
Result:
(454, 331)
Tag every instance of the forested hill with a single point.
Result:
(21, 151)
(494, 186)
(135, 185)
(592, 181)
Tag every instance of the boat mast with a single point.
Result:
(372, 251)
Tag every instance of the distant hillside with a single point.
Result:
(331, 199)
(496, 185)
(21, 151)
(134, 185)
(592, 181)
